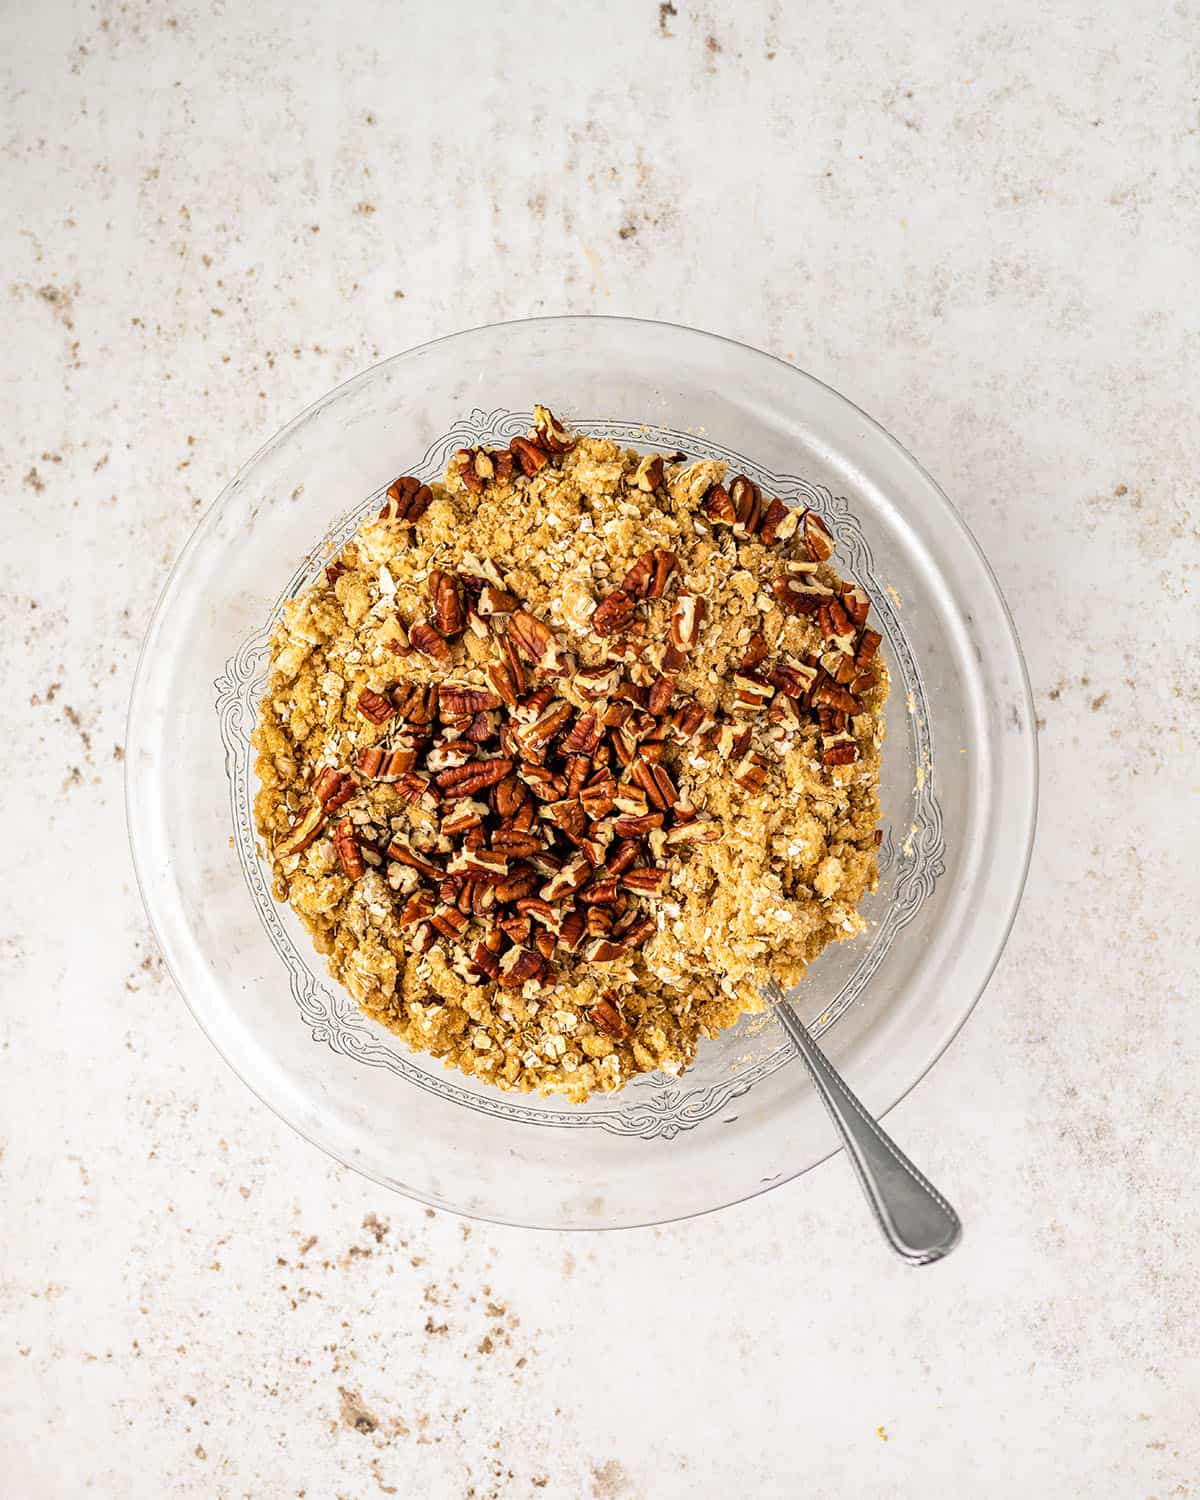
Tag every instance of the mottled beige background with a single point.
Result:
(981, 222)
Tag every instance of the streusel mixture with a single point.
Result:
(565, 755)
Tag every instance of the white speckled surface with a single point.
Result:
(980, 225)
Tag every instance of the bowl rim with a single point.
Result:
(1030, 771)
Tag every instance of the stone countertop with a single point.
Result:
(981, 226)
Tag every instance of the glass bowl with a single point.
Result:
(959, 782)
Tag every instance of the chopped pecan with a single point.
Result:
(485, 961)
(575, 873)
(551, 434)
(863, 683)
(779, 522)
(755, 654)
(449, 921)
(550, 722)
(613, 613)
(481, 728)
(868, 644)
(407, 501)
(646, 880)
(522, 881)
(535, 641)
(442, 757)
(818, 538)
(520, 964)
(602, 951)
(530, 457)
(369, 760)
(445, 595)
(606, 1016)
(833, 696)
(423, 938)
(840, 752)
(503, 681)
(412, 787)
(686, 620)
(457, 702)
(856, 604)
(599, 797)
(302, 833)
(430, 642)
(630, 826)
(502, 460)
(800, 595)
(514, 844)
(333, 788)
(508, 795)
(792, 681)
(418, 704)
(570, 934)
(583, 737)
(462, 817)
(649, 473)
(465, 781)
(494, 601)
(474, 466)
(751, 692)
(624, 856)
(718, 507)
(689, 721)
(517, 928)
(596, 682)
(747, 506)
(750, 772)
(600, 892)
(638, 932)
(404, 854)
(662, 689)
(346, 847)
(700, 831)
(418, 908)
(647, 579)
(374, 706)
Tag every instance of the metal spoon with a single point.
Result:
(916, 1220)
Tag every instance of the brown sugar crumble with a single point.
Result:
(564, 756)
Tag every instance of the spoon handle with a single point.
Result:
(916, 1220)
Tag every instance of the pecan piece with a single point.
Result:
(474, 466)
(575, 873)
(445, 595)
(856, 604)
(649, 473)
(718, 507)
(412, 787)
(833, 696)
(504, 683)
(514, 844)
(530, 457)
(779, 522)
(403, 853)
(646, 880)
(750, 692)
(602, 951)
(520, 965)
(647, 579)
(418, 704)
(583, 737)
(751, 772)
(599, 797)
(407, 500)
(523, 881)
(613, 613)
(662, 690)
(840, 752)
(551, 434)
(485, 961)
(631, 826)
(449, 921)
(606, 1016)
(481, 728)
(374, 706)
(747, 506)
(346, 847)
(333, 788)
(755, 654)
(570, 934)
(596, 682)
(457, 702)
(818, 538)
(369, 760)
(699, 831)
(800, 596)
(535, 641)
(494, 601)
(302, 833)
(430, 642)
(462, 817)
(868, 643)
(417, 908)
(551, 721)
(638, 931)
(686, 620)
(465, 781)
(792, 681)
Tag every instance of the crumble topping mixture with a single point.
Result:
(564, 756)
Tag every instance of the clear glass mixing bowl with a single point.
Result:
(959, 787)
